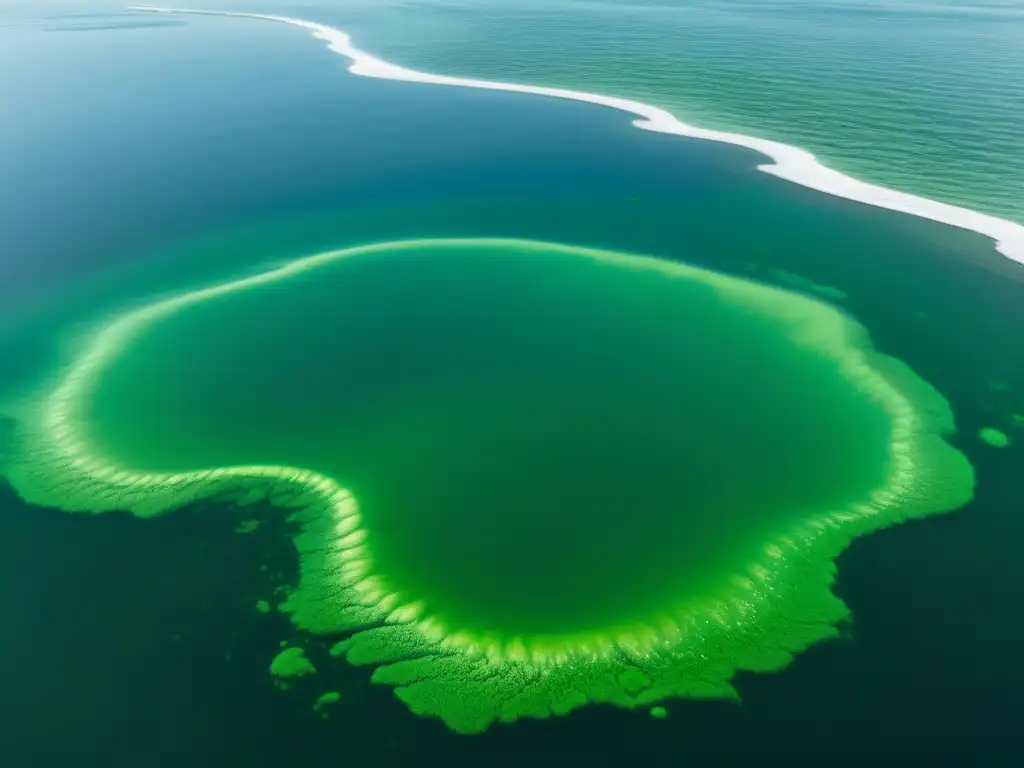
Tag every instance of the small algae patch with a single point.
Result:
(291, 662)
(331, 697)
(1017, 421)
(526, 476)
(659, 713)
(994, 437)
(247, 526)
(263, 606)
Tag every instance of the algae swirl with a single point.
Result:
(528, 475)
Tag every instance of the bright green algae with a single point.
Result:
(518, 400)
(994, 437)
(554, 475)
(291, 662)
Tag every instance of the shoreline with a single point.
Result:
(788, 162)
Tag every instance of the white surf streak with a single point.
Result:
(791, 163)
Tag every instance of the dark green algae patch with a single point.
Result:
(486, 402)
(529, 476)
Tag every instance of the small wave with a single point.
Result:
(788, 162)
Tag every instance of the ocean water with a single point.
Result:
(143, 160)
(919, 95)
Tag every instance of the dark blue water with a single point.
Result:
(121, 141)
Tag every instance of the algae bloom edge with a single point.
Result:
(775, 607)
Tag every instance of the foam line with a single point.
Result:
(790, 163)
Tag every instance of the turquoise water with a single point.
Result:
(924, 96)
(919, 95)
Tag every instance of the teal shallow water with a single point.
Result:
(917, 95)
(922, 96)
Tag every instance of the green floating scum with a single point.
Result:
(292, 662)
(994, 437)
(528, 476)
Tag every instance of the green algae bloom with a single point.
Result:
(291, 662)
(263, 606)
(331, 697)
(994, 437)
(529, 476)
(660, 713)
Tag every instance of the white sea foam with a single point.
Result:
(790, 163)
